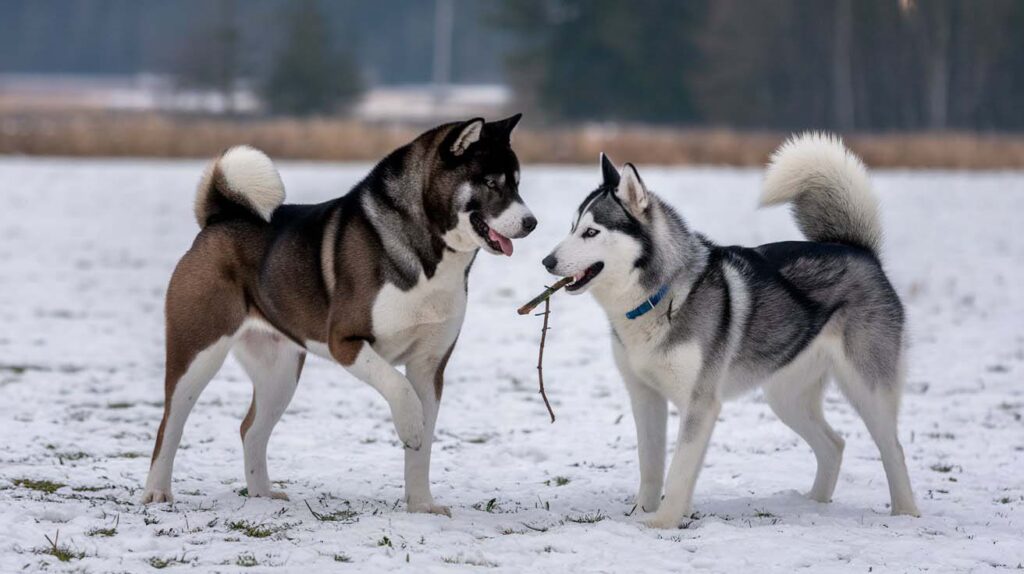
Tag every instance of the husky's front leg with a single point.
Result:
(427, 377)
(650, 413)
(359, 359)
(695, 428)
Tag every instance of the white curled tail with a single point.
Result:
(828, 188)
(242, 180)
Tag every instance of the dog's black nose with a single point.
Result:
(529, 223)
(550, 262)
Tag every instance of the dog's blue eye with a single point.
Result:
(590, 232)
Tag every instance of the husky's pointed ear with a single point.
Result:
(632, 191)
(608, 172)
(502, 129)
(466, 135)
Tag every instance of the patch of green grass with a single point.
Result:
(385, 541)
(342, 557)
(47, 486)
(121, 405)
(244, 491)
(762, 513)
(942, 467)
(90, 488)
(588, 518)
(558, 481)
(128, 455)
(346, 516)
(161, 563)
(102, 532)
(19, 369)
(254, 530)
(460, 559)
(246, 560)
(61, 552)
(489, 506)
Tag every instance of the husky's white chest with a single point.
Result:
(670, 368)
(434, 308)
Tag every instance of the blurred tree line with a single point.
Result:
(843, 64)
(298, 53)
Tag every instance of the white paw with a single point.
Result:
(906, 510)
(648, 501)
(819, 497)
(274, 494)
(154, 495)
(662, 521)
(429, 508)
(408, 416)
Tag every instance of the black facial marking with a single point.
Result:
(609, 212)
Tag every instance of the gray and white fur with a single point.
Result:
(783, 316)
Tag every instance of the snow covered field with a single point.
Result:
(86, 248)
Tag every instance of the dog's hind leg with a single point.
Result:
(274, 364)
(877, 402)
(795, 395)
(205, 308)
(181, 394)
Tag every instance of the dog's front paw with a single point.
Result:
(272, 494)
(663, 521)
(156, 495)
(429, 508)
(648, 500)
(408, 416)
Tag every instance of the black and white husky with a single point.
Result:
(373, 279)
(695, 323)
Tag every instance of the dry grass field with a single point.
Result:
(334, 139)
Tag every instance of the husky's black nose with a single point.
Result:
(529, 223)
(550, 262)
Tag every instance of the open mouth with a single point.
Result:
(496, 241)
(581, 279)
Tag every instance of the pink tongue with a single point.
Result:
(504, 242)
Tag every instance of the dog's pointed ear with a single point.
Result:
(502, 129)
(608, 172)
(632, 191)
(465, 135)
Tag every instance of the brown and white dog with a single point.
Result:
(374, 279)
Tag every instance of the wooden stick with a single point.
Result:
(543, 297)
(540, 355)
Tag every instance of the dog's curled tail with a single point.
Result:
(241, 182)
(828, 188)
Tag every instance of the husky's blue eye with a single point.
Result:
(590, 232)
(490, 183)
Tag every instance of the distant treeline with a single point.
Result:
(779, 64)
(841, 64)
(392, 40)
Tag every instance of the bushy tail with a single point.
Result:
(241, 181)
(829, 190)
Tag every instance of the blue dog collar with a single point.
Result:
(648, 304)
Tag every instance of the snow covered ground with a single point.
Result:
(86, 248)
